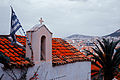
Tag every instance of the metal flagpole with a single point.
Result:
(29, 44)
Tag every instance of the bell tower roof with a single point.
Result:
(37, 27)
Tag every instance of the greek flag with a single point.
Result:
(15, 25)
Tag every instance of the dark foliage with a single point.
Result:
(106, 58)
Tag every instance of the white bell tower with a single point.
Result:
(41, 41)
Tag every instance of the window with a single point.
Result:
(43, 46)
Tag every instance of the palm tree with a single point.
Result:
(105, 57)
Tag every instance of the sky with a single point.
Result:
(64, 17)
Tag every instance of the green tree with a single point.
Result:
(107, 58)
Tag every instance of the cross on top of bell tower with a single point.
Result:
(41, 21)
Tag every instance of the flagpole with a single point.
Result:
(29, 44)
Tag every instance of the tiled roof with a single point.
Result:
(13, 54)
(21, 39)
(62, 51)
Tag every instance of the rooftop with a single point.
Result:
(62, 52)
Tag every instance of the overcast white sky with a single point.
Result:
(64, 17)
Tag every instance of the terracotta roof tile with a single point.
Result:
(13, 54)
(64, 53)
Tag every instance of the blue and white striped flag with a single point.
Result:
(15, 25)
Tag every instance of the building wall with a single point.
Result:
(71, 71)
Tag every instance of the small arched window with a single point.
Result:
(43, 46)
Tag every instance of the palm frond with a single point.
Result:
(113, 47)
(116, 58)
(93, 71)
(94, 75)
(99, 52)
(116, 54)
(101, 45)
(97, 74)
(99, 58)
(106, 58)
(97, 65)
(95, 57)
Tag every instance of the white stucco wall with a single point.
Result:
(72, 71)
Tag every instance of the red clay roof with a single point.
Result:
(62, 51)
(13, 54)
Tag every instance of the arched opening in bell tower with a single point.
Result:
(43, 48)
